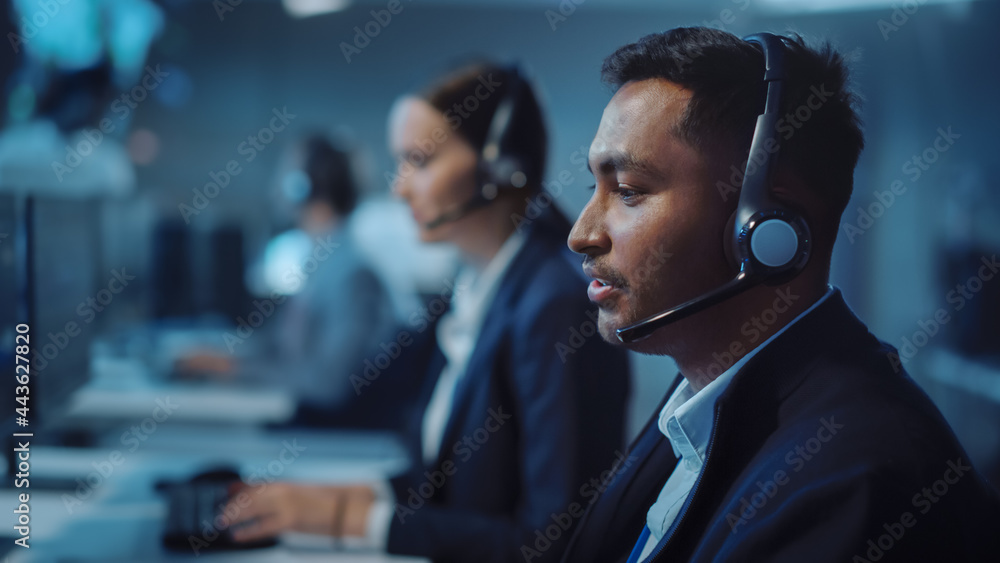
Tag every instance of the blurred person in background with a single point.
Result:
(507, 432)
(336, 314)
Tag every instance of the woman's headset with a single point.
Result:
(501, 164)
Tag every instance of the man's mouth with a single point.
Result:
(602, 287)
(601, 290)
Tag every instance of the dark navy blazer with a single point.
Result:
(539, 412)
(821, 452)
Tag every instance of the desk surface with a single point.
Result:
(185, 402)
(120, 517)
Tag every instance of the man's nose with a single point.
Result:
(589, 235)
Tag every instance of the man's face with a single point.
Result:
(652, 232)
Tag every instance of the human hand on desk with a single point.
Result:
(264, 511)
(205, 363)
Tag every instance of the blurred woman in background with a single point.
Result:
(516, 417)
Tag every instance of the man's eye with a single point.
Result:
(627, 194)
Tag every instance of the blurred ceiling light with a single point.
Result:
(800, 6)
(308, 8)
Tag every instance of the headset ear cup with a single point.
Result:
(502, 174)
(489, 177)
(728, 243)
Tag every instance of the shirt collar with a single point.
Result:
(687, 418)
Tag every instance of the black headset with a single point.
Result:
(500, 165)
(770, 243)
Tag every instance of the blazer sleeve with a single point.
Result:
(546, 413)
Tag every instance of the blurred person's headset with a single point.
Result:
(770, 242)
(500, 165)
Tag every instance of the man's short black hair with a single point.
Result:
(331, 180)
(820, 145)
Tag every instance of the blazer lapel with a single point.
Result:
(488, 343)
(615, 518)
(756, 393)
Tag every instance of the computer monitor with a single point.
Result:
(60, 297)
(198, 273)
(14, 291)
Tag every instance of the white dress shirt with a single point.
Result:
(687, 420)
(457, 333)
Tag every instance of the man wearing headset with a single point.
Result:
(793, 435)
